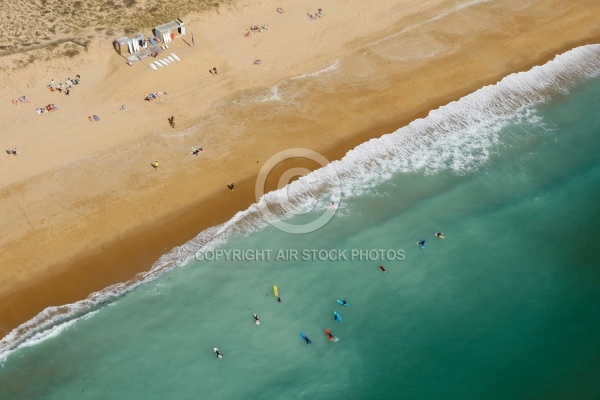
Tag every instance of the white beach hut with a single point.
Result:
(167, 32)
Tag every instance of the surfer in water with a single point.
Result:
(218, 353)
(306, 339)
(344, 302)
(329, 335)
(440, 235)
(337, 316)
(279, 299)
(256, 320)
(421, 243)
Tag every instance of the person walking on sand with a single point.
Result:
(155, 164)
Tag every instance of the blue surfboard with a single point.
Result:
(337, 316)
(342, 302)
(306, 339)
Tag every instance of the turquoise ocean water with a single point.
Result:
(506, 307)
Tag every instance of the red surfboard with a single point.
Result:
(329, 335)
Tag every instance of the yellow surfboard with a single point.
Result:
(275, 291)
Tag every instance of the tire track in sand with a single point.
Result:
(323, 28)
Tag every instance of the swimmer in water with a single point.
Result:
(421, 243)
(440, 235)
(256, 320)
(218, 353)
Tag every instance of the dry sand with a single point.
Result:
(82, 207)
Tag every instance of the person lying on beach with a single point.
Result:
(257, 62)
(196, 151)
(151, 96)
(21, 99)
(280, 10)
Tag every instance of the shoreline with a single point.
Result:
(136, 251)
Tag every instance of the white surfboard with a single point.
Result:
(158, 64)
(163, 62)
(175, 56)
(153, 66)
(166, 60)
(170, 58)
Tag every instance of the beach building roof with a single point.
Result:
(170, 30)
(120, 44)
(136, 45)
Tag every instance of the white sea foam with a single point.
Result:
(332, 68)
(46, 334)
(272, 94)
(458, 137)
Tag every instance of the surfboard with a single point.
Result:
(158, 64)
(337, 316)
(163, 62)
(303, 336)
(329, 335)
(170, 58)
(440, 235)
(342, 303)
(154, 67)
(219, 355)
(175, 56)
(275, 291)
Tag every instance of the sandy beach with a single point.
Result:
(83, 208)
